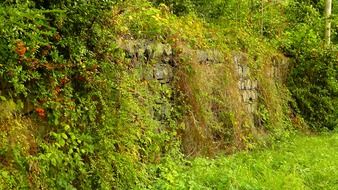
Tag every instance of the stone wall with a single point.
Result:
(247, 85)
(158, 54)
(161, 56)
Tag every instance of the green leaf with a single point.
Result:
(53, 161)
(64, 135)
(2, 98)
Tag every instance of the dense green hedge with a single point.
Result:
(93, 126)
(313, 78)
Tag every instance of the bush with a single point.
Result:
(59, 59)
(313, 77)
(313, 83)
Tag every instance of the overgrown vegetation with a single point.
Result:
(313, 77)
(77, 111)
(302, 163)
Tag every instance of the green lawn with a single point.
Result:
(301, 163)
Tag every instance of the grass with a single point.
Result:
(305, 162)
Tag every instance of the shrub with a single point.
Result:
(313, 77)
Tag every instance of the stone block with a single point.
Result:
(148, 52)
(167, 54)
(157, 49)
(209, 56)
(254, 84)
(239, 58)
(163, 73)
(218, 56)
(253, 95)
(241, 85)
(202, 56)
(247, 84)
(239, 70)
(245, 72)
(250, 108)
(249, 96)
(245, 96)
(167, 50)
